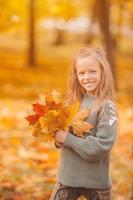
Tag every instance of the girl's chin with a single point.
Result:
(89, 89)
(90, 92)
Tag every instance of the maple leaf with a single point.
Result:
(79, 125)
(49, 98)
(53, 120)
(40, 109)
(32, 119)
(71, 110)
(55, 115)
(81, 115)
(37, 129)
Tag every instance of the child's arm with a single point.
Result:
(93, 148)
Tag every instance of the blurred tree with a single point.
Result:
(12, 14)
(119, 14)
(59, 10)
(32, 33)
(92, 17)
(130, 11)
(116, 12)
(67, 10)
(102, 11)
(119, 18)
(4, 15)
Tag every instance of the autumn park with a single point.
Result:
(38, 39)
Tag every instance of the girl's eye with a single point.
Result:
(93, 71)
(81, 73)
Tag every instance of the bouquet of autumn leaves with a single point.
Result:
(50, 113)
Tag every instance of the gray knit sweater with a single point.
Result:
(84, 162)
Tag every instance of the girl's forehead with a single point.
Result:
(87, 62)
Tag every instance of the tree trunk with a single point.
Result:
(58, 36)
(90, 36)
(121, 17)
(102, 12)
(31, 34)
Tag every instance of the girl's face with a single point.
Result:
(89, 74)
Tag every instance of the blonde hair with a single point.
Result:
(106, 88)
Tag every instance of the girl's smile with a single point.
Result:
(89, 74)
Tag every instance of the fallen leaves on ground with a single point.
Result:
(28, 167)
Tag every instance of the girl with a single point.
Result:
(84, 163)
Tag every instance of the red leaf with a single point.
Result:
(40, 109)
(32, 119)
(53, 105)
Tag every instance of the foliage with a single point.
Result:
(12, 14)
(56, 9)
(28, 167)
(51, 113)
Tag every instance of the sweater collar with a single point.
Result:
(90, 97)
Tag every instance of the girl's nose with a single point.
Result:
(87, 76)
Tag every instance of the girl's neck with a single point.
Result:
(90, 95)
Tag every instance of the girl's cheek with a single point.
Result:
(94, 76)
(80, 79)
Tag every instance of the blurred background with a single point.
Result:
(38, 39)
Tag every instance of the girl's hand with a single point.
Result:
(60, 136)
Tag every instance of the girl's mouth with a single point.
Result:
(88, 83)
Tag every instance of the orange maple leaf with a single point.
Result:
(32, 119)
(40, 109)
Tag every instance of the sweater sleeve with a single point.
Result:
(92, 148)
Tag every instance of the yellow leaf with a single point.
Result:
(72, 110)
(81, 115)
(42, 122)
(79, 125)
(79, 128)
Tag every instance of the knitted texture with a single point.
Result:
(84, 162)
